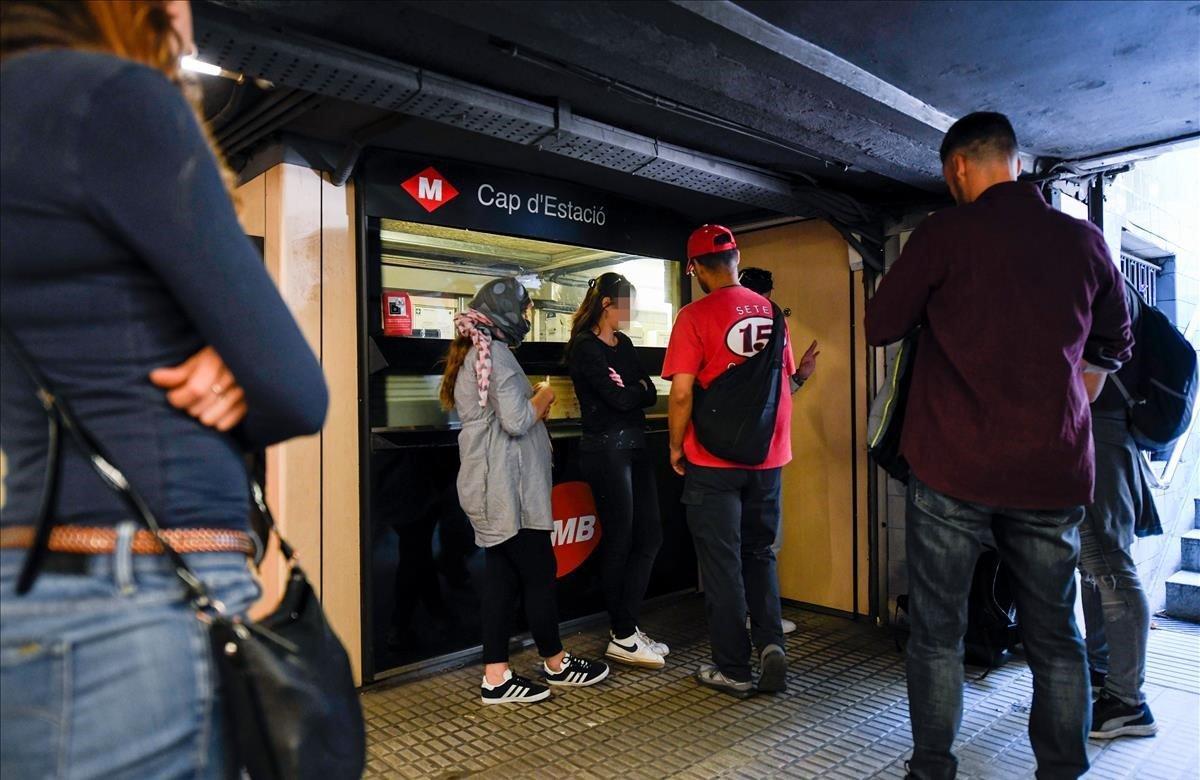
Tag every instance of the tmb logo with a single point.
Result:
(576, 531)
(430, 189)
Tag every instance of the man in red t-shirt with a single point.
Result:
(732, 509)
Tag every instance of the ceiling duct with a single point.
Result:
(314, 65)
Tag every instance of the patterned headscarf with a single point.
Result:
(503, 301)
(497, 310)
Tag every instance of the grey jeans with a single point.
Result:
(1116, 615)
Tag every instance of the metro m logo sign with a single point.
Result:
(576, 531)
(430, 189)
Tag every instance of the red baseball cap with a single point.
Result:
(707, 239)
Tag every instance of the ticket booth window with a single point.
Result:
(436, 270)
(422, 573)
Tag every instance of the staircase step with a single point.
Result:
(1191, 550)
(1183, 595)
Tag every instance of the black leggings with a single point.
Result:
(626, 494)
(522, 565)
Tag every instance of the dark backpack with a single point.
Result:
(991, 614)
(992, 630)
(1162, 394)
(734, 417)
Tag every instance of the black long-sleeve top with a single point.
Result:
(122, 254)
(612, 415)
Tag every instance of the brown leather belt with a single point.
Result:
(85, 540)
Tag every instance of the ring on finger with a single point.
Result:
(218, 391)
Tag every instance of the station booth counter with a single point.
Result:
(423, 260)
(375, 272)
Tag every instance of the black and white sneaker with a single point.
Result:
(713, 677)
(1113, 718)
(576, 672)
(514, 690)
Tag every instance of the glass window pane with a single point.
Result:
(439, 269)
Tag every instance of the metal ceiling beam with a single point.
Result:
(318, 66)
(737, 20)
(732, 17)
(1090, 166)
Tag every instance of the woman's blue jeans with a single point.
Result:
(108, 673)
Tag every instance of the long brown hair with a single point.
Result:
(137, 30)
(455, 357)
(608, 285)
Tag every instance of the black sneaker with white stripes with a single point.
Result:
(1112, 718)
(514, 690)
(576, 672)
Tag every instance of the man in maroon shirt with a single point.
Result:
(1016, 301)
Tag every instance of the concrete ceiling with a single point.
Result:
(851, 95)
(1077, 78)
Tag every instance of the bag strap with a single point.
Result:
(42, 526)
(60, 416)
(1130, 401)
(778, 331)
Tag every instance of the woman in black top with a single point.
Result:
(613, 388)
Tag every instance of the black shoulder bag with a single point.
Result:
(291, 709)
(734, 416)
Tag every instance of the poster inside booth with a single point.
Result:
(397, 313)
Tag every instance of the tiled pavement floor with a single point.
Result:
(844, 716)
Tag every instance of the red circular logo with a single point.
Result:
(576, 528)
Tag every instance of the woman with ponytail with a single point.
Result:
(613, 389)
(504, 488)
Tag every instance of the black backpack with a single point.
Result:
(992, 630)
(734, 417)
(1162, 394)
(991, 614)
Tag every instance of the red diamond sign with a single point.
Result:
(430, 189)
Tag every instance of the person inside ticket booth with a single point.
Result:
(504, 486)
(613, 390)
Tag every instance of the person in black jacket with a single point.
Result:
(761, 281)
(1116, 611)
(613, 388)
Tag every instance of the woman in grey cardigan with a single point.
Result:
(504, 488)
